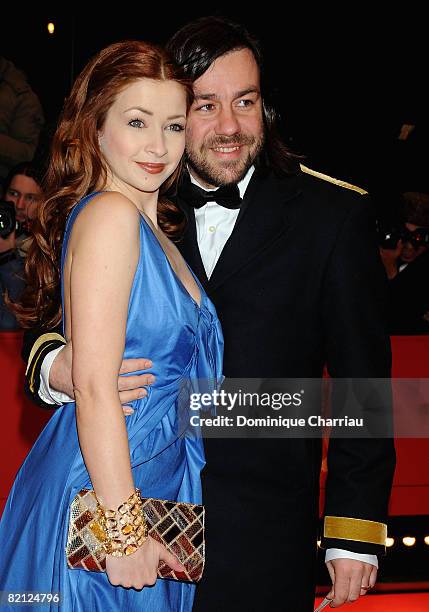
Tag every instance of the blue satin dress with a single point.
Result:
(185, 343)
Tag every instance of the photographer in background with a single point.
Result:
(23, 188)
(11, 265)
(405, 254)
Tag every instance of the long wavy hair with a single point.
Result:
(77, 168)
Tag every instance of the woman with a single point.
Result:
(125, 291)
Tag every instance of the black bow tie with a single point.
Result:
(227, 196)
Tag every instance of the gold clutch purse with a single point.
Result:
(178, 526)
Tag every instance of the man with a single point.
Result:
(407, 267)
(23, 188)
(22, 196)
(278, 257)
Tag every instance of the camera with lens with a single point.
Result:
(8, 222)
(418, 237)
(388, 237)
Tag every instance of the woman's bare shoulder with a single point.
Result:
(108, 209)
(111, 203)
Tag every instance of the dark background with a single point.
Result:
(343, 80)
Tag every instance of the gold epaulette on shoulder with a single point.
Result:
(325, 177)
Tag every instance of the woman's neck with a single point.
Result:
(145, 201)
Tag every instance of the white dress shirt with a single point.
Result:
(214, 224)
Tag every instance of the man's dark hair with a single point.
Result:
(200, 43)
(31, 169)
(416, 208)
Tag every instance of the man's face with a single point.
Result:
(225, 129)
(26, 194)
(409, 252)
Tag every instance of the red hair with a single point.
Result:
(77, 167)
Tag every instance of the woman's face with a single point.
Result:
(26, 194)
(143, 137)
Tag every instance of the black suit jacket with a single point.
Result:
(298, 285)
(409, 298)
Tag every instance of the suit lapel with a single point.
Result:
(188, 245)
(263, 219)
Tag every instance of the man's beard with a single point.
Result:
(224, 172)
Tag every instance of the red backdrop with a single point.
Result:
(22, 422)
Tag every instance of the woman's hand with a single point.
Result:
(140, 569)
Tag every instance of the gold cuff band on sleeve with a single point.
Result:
(45, 339)
(359, 530)
(41, 340)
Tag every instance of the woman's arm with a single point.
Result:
(103, 254)
(102, 259)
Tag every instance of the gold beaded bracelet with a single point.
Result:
(132, 525)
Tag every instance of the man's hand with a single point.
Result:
(130, 387)
(350, 580)
(390, 258)
(7, 243)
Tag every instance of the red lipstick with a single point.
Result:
(151, 168)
